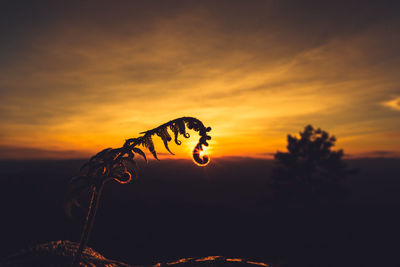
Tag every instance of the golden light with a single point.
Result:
(200, 155)
(203, 152)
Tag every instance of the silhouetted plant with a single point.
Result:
(118, 164)
(310, 172)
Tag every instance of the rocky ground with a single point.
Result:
(60, 253)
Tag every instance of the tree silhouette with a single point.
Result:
(310, 172)
(119, 165)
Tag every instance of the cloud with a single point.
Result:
(393, 104)
(375, 154)
(10, 152)
(86, 77)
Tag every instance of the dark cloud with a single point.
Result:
(269, 154)
(10, 152)
(376, 154)
(72, 68)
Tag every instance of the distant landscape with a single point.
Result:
(276, 124)
(176, 209)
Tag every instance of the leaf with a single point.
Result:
(68, 206)
(76, 186)
(166, 146)
(100, 154)
(148, 142)
(86, 164)
(181, 127)
(165, 137)
(174, 129)
(140, 152)
(130, 163)
(153, 151)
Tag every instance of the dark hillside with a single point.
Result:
(176, 209)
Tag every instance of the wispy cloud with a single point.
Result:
(10, 152)
(82, 78)
(393, 104)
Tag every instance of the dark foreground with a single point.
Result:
(60, 253)
(177, 210)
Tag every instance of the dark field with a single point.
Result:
(176, 209)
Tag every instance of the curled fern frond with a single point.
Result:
(119, 165)
(178, 127)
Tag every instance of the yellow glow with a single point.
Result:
(393, 104)
(209, 258)
(203, 155)
(75, 93)
(234, 260)
(204, 152)
(257, 263)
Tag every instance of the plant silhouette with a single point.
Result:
(310, 173)
(118, 165)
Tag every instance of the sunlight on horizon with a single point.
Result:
(79, 93)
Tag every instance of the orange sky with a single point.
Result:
(81, 77)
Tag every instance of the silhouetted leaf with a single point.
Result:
(118, 163)
(140, 152)
(165, 137)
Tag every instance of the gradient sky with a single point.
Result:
(76, 77)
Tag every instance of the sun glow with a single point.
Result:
(201, 153)
(204, 151)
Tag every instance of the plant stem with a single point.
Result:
(87, 228)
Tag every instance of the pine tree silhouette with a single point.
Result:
(310, 172)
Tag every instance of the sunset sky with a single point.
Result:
(77, 77)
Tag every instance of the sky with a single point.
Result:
(79, 76)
